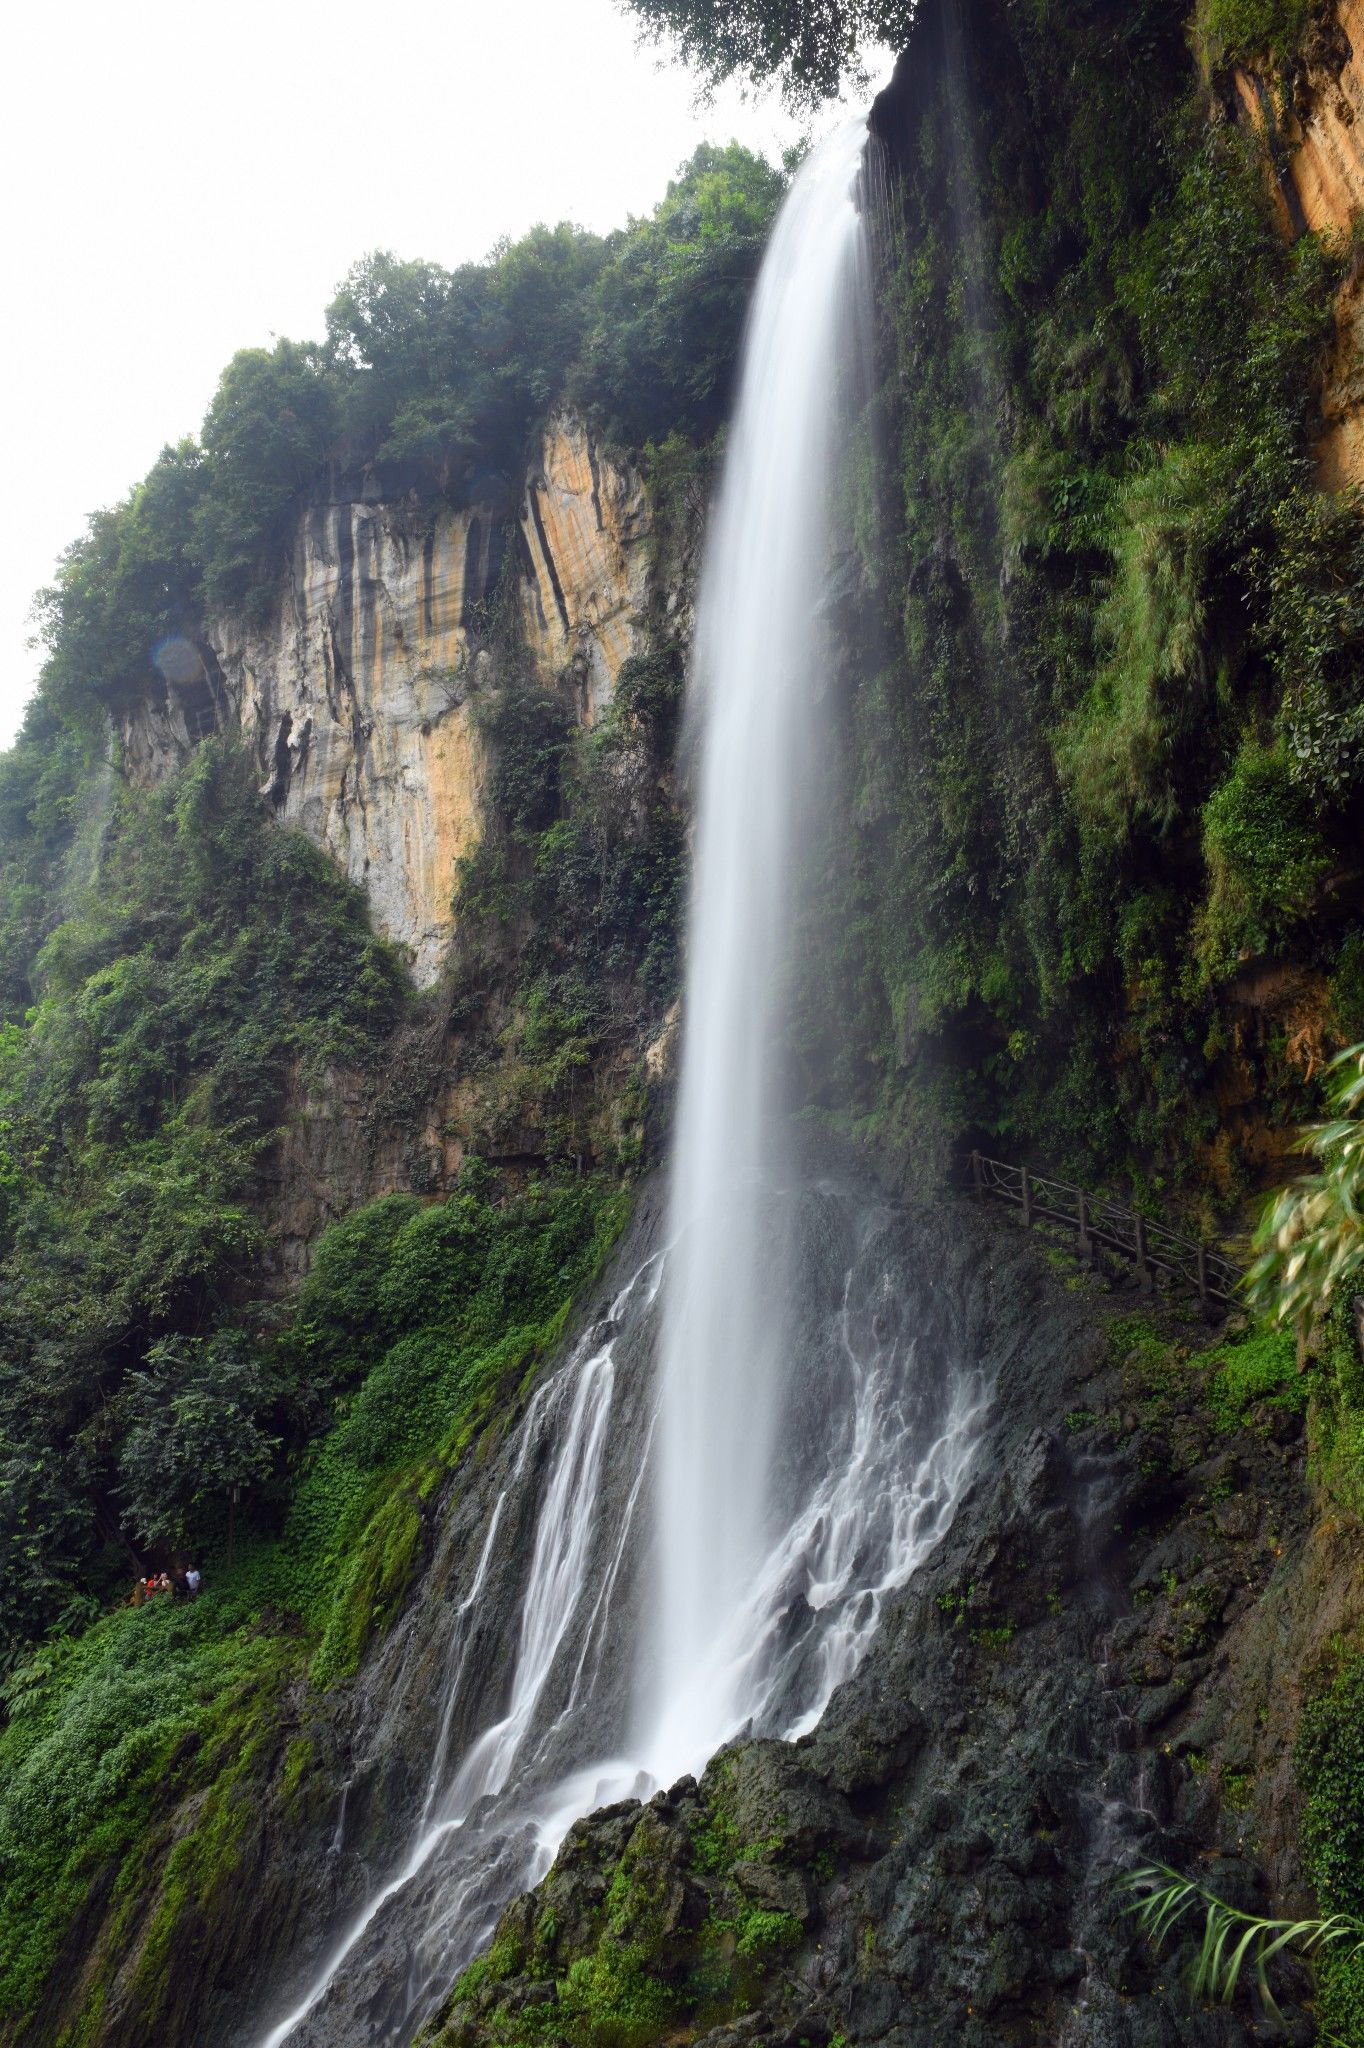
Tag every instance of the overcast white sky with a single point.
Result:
(184, 180)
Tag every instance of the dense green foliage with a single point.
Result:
(572, 904)
(1105, 754)
(172, 968)
(101, 1733)
(193, 1434)
(810, 47)
(436, 378)
(1312, 1234)
(1252, 31)
(416, 1326)
(1260, 1367)
(205, 960)
(413, 1317)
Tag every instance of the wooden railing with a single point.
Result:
(1152, 1247)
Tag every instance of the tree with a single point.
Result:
(448, 369)
(195, 1431)
(808, 46)
(128, 583)
(271, 424)
(667, 312)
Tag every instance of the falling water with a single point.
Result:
(803, 1442)
(758, 684)
(455, 1869)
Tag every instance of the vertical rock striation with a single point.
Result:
(356, 691)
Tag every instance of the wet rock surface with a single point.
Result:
(1089, 1674)
(1097, 1667)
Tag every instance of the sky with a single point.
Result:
(187, 180)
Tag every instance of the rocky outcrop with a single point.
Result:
(1099, 1667)
(584, 519)
(357, 691)
(1102, 1664)
(1315, 137)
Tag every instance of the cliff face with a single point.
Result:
(1317, 134)
(1316, 138)
(356, 691)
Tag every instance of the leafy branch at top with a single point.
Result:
(1312, 1234)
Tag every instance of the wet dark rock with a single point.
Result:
(1062, 1691)
(1054, 1698)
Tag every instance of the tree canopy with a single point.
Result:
(808, 46)
(432, 378)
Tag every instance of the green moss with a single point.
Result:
(1347, 989)
(1260, 1367)
(1265, 856)
(300, 1761)
(1330, 1761)
(1242, 31)
(1116, 753)
(611, 1999)
(197, 1878)
(761, 1932)
(1149, 1362)
(1337, 1414)
(104, 1735)
(717, 1843)
(371, 1589)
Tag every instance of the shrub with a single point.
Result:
(1240, 31)
(1261, 1367)
(193, 1431)
(1117, 754)
(1265, 856)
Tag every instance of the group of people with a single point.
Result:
(180, 1583)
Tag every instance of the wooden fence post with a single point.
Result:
(1143, 1269)
(1174, 1262)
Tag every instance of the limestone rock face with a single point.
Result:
(584, 520)
(1318, 142)
(356, 692)
(1316, 146)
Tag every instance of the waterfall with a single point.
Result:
(758, 692)
(769, 1381)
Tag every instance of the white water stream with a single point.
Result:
(757, 688)
(790, 1470)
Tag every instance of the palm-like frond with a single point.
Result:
(1232, 1940)
(1311, 1237)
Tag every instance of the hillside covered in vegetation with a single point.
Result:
(286, 1239)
